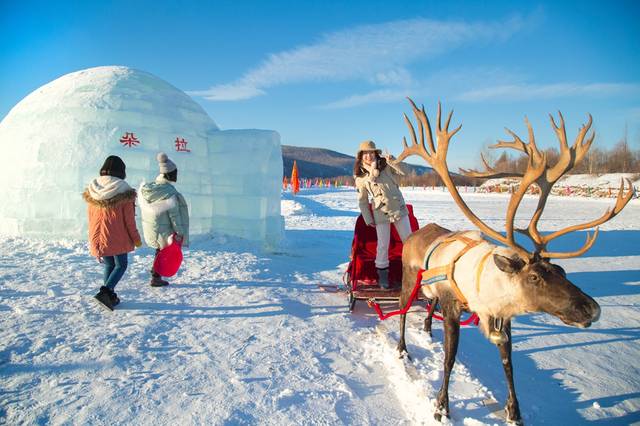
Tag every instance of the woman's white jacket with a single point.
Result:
(164, 211)
(387, 202)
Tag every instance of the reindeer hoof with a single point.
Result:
(512, 414)
(439, 414)
(517, 422)
(404, 354)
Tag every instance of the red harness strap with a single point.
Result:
(414, 296)
(439, 273)
(473, 318)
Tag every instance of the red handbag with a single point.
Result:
(169, 259)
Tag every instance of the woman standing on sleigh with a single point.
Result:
(375, 177)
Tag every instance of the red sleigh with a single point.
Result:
(361, 277)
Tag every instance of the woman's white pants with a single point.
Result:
(403, 227)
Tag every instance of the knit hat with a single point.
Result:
(368, 146)
(165, 165)
(113, 166)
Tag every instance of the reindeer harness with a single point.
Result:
(429, 276)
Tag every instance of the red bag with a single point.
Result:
(169, 259)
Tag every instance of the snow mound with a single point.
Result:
(292, 208)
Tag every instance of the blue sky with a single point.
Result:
(331, 74)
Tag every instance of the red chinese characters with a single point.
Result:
(181, 145)
(129, 139)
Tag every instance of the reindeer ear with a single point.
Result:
(509, 264)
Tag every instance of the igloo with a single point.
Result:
(55, 140)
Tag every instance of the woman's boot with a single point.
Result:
(115, 300)
(383, 277)
(104, 297)
(157, 281)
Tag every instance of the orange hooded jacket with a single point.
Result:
(112, 224)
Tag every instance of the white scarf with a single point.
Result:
(106, 187)
(161, 179)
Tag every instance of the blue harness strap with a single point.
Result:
(426, 262)
(434, 279)
(445, 272)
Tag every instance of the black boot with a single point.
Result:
(115, 300)
(383, 277)
(104, 297)
(157, 281)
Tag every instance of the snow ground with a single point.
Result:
(243, 336)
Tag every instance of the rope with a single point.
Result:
(414, 295)
(436, 274)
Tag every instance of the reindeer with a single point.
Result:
(471, 273)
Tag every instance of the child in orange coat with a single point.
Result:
(112, 225)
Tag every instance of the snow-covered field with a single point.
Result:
(244, 336)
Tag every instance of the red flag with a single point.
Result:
(295, 182)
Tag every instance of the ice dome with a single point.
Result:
(56, 139)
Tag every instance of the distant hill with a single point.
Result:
(324, 163)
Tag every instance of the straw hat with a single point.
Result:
(368, 146)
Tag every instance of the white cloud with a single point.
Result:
(439, 85)
(377, 96)
(394, 77)
(521, 92)
(374, 53)
(230, 92)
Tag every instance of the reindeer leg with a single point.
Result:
(451, 337)
(429, 319)
(408, 274)
(402, 346)
(512, 408)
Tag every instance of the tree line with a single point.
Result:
(620, 158)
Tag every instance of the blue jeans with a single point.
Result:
(114, 267)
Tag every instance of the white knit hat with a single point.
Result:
(166, 165)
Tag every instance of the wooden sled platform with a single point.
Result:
(375, 294)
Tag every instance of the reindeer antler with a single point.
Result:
(569, 158)
(436, 156)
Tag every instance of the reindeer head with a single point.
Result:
(541, 285)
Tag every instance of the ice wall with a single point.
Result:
(247, 201)
(55, 140)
